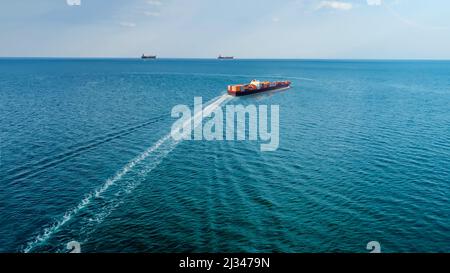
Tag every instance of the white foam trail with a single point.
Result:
(49, 231)
(206, 112)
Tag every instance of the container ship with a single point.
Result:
(256, 86)
(148, 56)
(225, 57)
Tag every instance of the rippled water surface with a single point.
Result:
(364, 155)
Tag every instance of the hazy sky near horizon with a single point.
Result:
(387, 29)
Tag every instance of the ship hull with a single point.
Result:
(256, 91)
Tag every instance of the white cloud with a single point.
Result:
(275, 19)
(374, 2)
(154, 2)
(127, 24)
(73, 2)
(335, 5)
(152, 13)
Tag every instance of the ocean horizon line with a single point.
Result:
(205, 58)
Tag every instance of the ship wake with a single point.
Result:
(97, 205)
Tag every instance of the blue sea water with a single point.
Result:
(364, 156)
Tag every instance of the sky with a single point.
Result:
(344, 29)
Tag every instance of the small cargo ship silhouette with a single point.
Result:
(256, 86)
(225, 57)
(148, 56)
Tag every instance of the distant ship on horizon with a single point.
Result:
(148, 56)
(225, 57)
